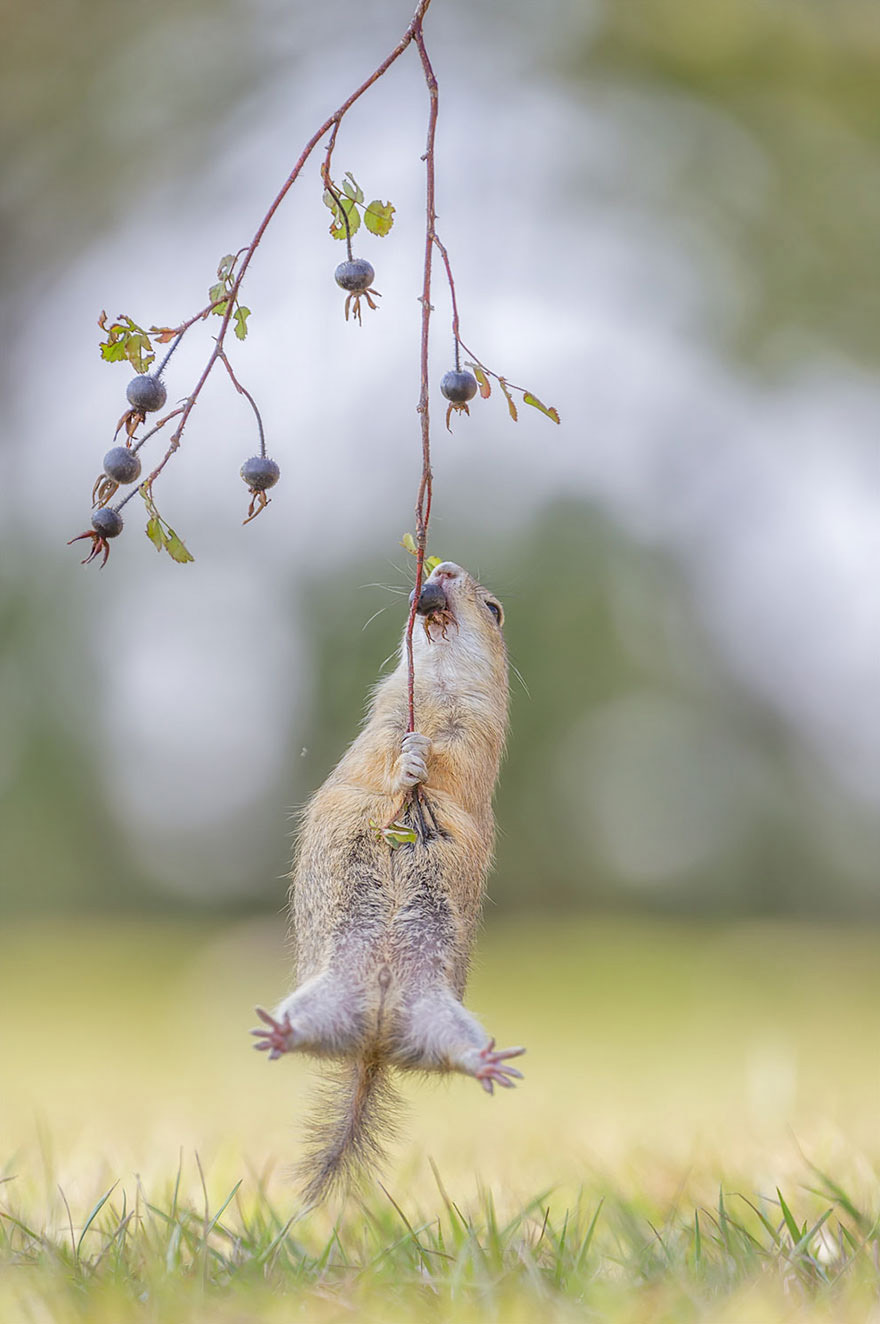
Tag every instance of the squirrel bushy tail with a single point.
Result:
(355, 1107)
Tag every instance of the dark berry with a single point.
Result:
(122, 465)
(355, 275)
(432, 598)
(146, 393)
(260, 473)
(459, 387)
(107, 522)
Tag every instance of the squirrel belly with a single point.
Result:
(383, 934)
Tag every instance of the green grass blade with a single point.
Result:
(93, 1215)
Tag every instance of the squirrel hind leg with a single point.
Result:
(324, 1016)
(437, 1033)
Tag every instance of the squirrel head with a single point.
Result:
(462, 623)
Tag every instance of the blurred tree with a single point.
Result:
(755, 124)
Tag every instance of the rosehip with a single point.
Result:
(107, 522)
(122, 465)
(146, 393)
(260, 473)
(459, 387)
(355, 275)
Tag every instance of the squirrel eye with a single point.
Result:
(495, 610)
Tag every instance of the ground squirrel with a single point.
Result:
(383, 935)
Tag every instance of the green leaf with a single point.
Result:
(241, 316)
(529, 399)
(482, 380)
(398, 834)
(379, 218)
(224, 270)
(176, 549)
(113, 350)
(509, 398)
(139, 351)
(337, 229)
(432, 562)
(409, 543)
(351, 188)
(126, 340)
(217, 291)
(154, 532)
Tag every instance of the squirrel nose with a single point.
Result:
(445, 570)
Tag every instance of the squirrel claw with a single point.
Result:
(276, 1038)
(493, 1069)
(414, 751)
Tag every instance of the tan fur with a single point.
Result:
(383, 936)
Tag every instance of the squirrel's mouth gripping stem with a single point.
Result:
(432, 599)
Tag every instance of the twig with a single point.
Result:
(330, 124)
(423, 500)
(242, 390)
(329, 186)
(455, 336)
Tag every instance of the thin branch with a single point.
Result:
(331, 123)
(331, 189)
(455, 336)
(162, 421)
(423, 500)
(242, 390)
(174, 344)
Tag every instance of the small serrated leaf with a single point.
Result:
(408, 542)
(432, 562)
(351, 188)
(163, 334)
(529, 399)
(241, 316)
(224, 269)
(112, 350)
(217, 291)
(379, 217)
(176, 549)
(154, 532)
(482, 380)
(509, 398)
(398, 834)
(337, 228)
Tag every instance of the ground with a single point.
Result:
(695, 1138)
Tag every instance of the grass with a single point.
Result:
(693, 1140)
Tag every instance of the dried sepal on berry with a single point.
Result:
(458, 387)
(260, 473)
(356, 276)
(106, 523)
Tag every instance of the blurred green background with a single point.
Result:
(663, 220)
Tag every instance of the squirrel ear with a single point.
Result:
(496, 609)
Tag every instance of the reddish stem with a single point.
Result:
(330, 123)
(456, 342)
(423, 501)
(242, 390)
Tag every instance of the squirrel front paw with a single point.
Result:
(413, 765)
(276, 1037)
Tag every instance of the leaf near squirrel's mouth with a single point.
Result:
(436, 624)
